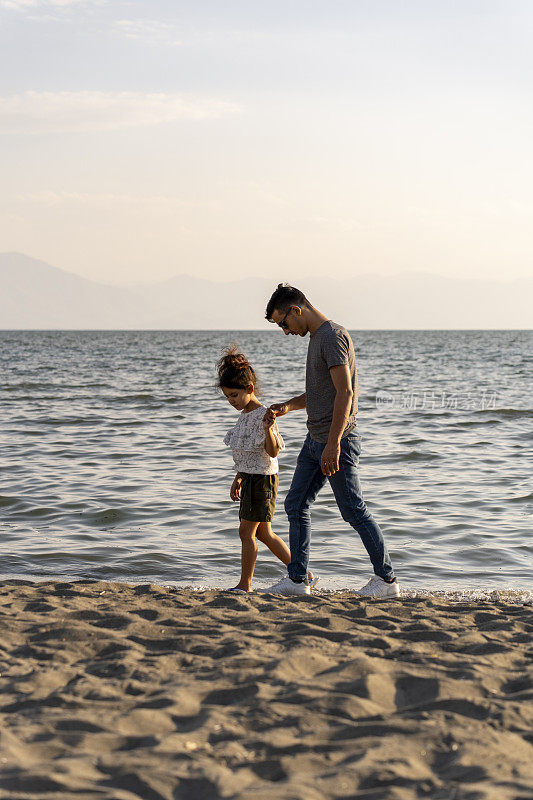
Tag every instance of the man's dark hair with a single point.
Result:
(283, 298)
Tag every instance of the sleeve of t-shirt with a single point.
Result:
(335, 349)
(278, 437)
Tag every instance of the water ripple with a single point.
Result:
(113, 465)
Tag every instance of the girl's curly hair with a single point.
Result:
(235, 371)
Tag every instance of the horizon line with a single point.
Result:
(243, 330)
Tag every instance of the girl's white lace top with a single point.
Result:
(247, 442)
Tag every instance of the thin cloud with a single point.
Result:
(23, 5)
(150, 31)
(336, 224)
(81, 112)
(50, 198)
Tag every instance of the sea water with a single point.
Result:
(113, 465)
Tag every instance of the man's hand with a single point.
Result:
(340, 375)
(278, 410)
(329, 462)
(235, 491)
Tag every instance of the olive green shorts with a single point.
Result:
(258, 497)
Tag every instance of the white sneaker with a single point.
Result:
(287, 587)
(379, 588)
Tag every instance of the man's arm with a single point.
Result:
(340, 375)
(294, 404)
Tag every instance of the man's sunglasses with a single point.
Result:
(282, 323)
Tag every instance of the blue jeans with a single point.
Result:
(307, 481)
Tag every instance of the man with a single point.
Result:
(332, 447)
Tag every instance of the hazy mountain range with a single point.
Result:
(36, 295)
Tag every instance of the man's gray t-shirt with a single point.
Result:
(329, 346)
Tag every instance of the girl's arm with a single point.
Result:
(235, 491)
(271, 443)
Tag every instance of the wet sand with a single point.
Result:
(109, 690)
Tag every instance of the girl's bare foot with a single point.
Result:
(241, 588)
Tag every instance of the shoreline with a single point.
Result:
(521, 595)
(114, 689)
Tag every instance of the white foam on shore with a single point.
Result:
(517, 596)
(522, 597)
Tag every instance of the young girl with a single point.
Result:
(255, 443)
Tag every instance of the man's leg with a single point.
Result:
(307, 481)
(349, 496)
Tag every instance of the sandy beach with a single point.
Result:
(118, 691)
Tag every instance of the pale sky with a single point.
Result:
(140, 140)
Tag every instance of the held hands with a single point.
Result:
(235, 491)
(275, 410)
(329, 462)
(278, 409)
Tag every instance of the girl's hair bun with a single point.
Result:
(234, 370)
